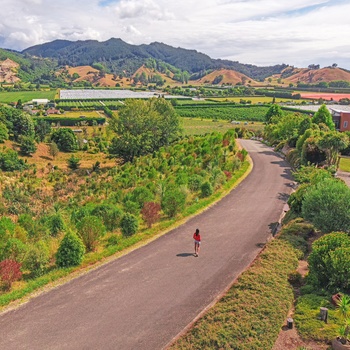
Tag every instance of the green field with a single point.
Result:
(344, 164)
(194, 126)
(77, 114)
(25, 96)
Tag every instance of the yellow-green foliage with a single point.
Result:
(250, 315)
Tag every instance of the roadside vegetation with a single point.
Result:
(56, 220)
(315, 229)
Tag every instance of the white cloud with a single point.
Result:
(261, 32)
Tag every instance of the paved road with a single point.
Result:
(144, 299)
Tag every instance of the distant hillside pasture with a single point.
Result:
(26, 96)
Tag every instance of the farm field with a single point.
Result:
(254, 99)
(224, 112)
(194, 126)
(25, 96)
(324, 96)
(78, 114)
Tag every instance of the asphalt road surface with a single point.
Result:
(144, 299)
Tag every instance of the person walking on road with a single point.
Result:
(197, 242)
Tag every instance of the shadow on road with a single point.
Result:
(184, 255)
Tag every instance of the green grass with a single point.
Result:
(25, 96)
(344, 164)
(197, 126)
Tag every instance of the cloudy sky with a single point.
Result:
(261, 32)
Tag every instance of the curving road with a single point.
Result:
(144, 299)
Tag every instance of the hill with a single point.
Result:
(226, 76)
(314, 76)
(119, 57)
(8, 71)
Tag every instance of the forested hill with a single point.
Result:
(118, 56)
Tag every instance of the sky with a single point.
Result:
(260, 32)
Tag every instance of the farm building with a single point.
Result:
(341, 118)
(40, 101)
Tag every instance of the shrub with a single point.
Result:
(14, 249)
(140, 195)
(27, 145)
(56, 224)
(327, 206)
(129, 225)
(10, 271)
(329, 261)
(37, 258)
(111, 215)
(151, 213)
(206, 189)
(173, 201)
(73, 163)
(71, 251)
(90, 229)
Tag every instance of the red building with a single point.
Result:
(341, 119)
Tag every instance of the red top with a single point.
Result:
(197, 237)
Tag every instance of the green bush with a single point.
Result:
(90, 229)
(37, 258)
(329, 261)
(327, 206)
(129, 225)
(206, 189)
(71, 251)
(173, 201)
(13, 249)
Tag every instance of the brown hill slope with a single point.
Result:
(8, 71)
(226, 76)
(314, 76)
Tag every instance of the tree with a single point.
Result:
(73, 162)
(173, 201)
(129, 224)
(13, 249)
(273, 113)
(27, 145)
(53, 150)
(9, 161)
(42, 128)
(22, 126)
(37, 258)
(4, 133)
(10, 271)
(90, 229)
(323, 115)
(332, 143)
(65, 139)
(143, 127)
(327, 206)
(150, 213)
(71, 251)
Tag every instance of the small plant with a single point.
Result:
(10, 271)
(71, 251)
(343, 311)
(129, 225)
(150, 213)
